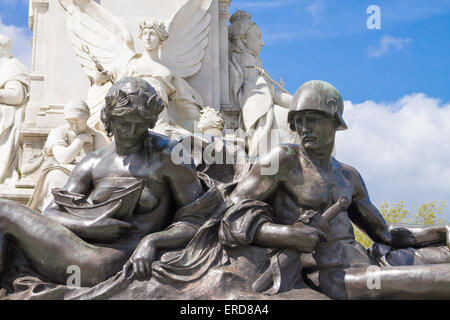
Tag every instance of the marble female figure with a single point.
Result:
(311, 179)
(263, 109)
(130, 231)
(14, 85)
(171, 54)
(66, 145)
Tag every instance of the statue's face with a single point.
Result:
(316, 129)
(150, 39)
(130, 130)
(77, 125)
(253, 40)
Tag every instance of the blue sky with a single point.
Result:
(326, 39)
(395, 81)
(388, 77)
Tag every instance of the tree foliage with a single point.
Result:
(428, 213)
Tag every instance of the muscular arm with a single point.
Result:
(256, 186)
(364, 214)
(13, 93)
(79, 182)
(186, 188)
(418, 236)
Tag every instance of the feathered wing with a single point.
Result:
(184, 50)
(92, 26)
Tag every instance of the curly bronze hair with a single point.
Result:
(131, 95)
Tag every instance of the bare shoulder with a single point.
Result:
(174, 156)
(168, 149)
(285, 156)
(92, 159)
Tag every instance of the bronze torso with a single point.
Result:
(306, 187)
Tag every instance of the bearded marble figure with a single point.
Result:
(171, 54)
(263, 108)
(66, 145)
(14, 85)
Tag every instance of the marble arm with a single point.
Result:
(66, 155)
(102, 77)
(12, 94)
(283, 99)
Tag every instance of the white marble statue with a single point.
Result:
(14, 85)
(263, 107)
(211, 122)
(217, 149)
(66, 145)
(105, 49)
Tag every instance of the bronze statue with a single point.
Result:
(310, 180)
(122, 204)
(129, 212)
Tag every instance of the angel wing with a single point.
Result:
(184, 50)
(95, 34)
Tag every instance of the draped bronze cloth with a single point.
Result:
(20, 281)
(221, 224)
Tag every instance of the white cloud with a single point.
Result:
(21, 39)
(386, 43)
(317, 11)
(401, 149)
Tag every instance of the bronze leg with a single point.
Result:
(52, 248)
(401, 282)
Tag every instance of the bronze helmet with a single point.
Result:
(321, 96)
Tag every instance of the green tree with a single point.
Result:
(428, 213)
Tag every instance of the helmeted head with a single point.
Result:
(319, 96)
(132, 106)
(77, 113)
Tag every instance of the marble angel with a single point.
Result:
(105, 49)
